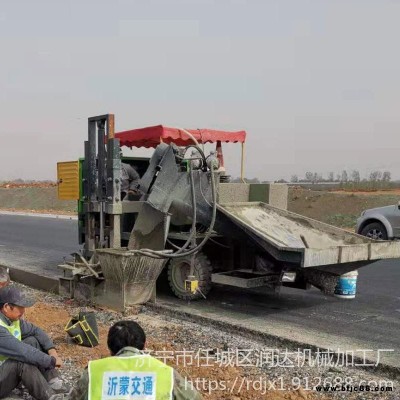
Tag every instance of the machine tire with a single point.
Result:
(179, 267)
(375, 230)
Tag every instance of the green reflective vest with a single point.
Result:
(15, 330)
(140, 377)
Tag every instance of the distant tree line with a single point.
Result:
(348, 179)
(343, 177)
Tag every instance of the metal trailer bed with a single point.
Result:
(293, 238)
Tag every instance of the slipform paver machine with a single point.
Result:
(190, 222)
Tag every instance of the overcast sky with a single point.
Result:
(316, 84)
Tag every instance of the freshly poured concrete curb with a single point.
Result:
(40, 215)
(33, 280)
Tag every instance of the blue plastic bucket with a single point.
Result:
(346, 286)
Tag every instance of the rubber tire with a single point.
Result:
(202, 272)
(375, 226)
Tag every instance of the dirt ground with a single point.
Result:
(53, 317)
(338, 208)
(392, 192)
(34, 198)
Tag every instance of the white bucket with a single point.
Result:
(346, 286)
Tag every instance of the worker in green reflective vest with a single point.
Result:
(129, 372)
(27, 354)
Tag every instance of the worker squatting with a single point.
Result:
(28, 356)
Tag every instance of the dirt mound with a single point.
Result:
(13, 185)
(31, 198)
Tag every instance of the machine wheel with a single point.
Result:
(375, 230)
(178, 271)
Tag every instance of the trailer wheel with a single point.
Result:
(375, 230)
(178, 271)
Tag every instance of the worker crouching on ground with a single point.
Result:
(129, 372)
(27, 354)
(4, 277)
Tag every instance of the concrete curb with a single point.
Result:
(40, 215)
(384, 369)
(32, 280)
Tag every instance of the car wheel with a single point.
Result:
(375, 230)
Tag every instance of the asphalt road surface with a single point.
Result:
(370, 322)
(36, 244)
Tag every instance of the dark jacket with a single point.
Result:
(129, 178)
(17, 350)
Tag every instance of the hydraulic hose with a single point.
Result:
(194, 218)
(168, 253)
(201, 153)
(190, 135)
